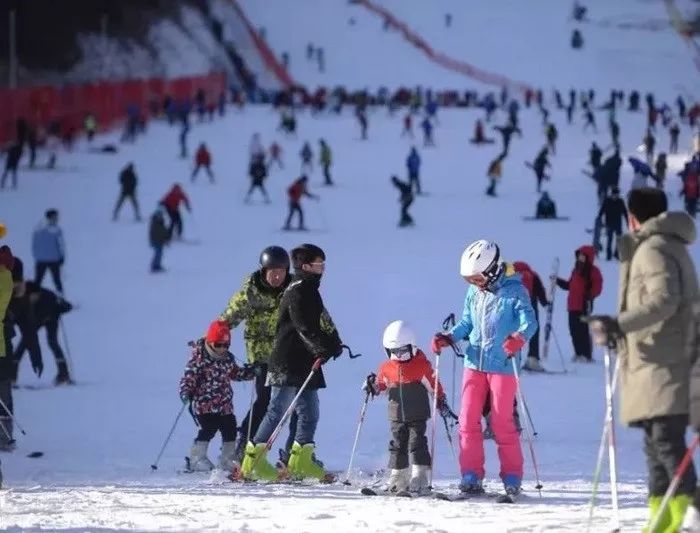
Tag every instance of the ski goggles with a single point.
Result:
(222, 344)
(402, 353)
(476, 279)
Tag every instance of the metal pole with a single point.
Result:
(610, 419)
(13, 50)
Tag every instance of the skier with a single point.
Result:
(305, 339)
(576, 40)
(257, 303)
(295, 191)
(171, 203)
(615, 134)
(610, 172)
(691, 184)
(276, 155)
(494, 174)
(614, 212)
(409, 380)
(184, 132)
(406, 199)
(34, 307)
(128, 181)
(258, 173)
(306, 154)
(325, 160)
(48, 248)
(641, 173)
(539, 165)
(535, 288)
(649, 142)
(634, 101)
(90, 125)
(7, 371)
(594, 156)
(205, 386)
(427, 128)
(362, 119)
(498, 320)
(203, 159)
(158, 237)
(506, 134)
(660, 170)
(551, 133)
(413, 162)
(674, 132)
(320, 57)
(407, 126)
(14, 154)
(584, 285)
(655, 332)
(479, 136)
(589, 118)
(489, 104)
(546, 208)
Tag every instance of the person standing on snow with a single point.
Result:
(551, 134)
(171, 203)
(494, 174)
(202, 159)
(276, 155)
(158, 238)
(325, 159)
(674, 131)
(691, 184)
(539, 165)
(409, 380)
(649, 142)
(406, 199)
(7, 367)
(535, 289)
(584, 285)
(295, 191)
(407, 126)
(14, 154)
(656, 335)
(128, 181)
(205, 386)
(614, 212)
(48, 248)
(258, 173)
(498, 320)
(413, 162)
(427, 127)
(257, 302)
(307, 156)
(305, 339)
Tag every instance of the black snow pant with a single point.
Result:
(262, 399)
(406, 219)
(580, 335)
(257, 185)
(408, 437)
(295, 207)
(611, 248)
(691, 206)
(207, 168)
(414, 181)
(210, 423)
(52, 339)
(664, 447)
(6, 373)
(9, 170)
(327, 175)
(534, 350)
(175, 228)
(122, 198)
(54, 267)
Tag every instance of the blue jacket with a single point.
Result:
(47, 243)
(413, 161)
(489, 317)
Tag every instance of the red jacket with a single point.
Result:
(691, 183)
(275, 150)
(585, 284)
(172, 200)
(203, 157)
(532, 283)
(296, 191)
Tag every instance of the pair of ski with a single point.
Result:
(442, 496)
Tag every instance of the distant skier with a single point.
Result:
(183, 140)
(325, 160)
(406, 199)
(158, 238)
(479, 136)
(595, 156)
(674, 132)
(258, 173)
(321, 59)
(494, 174)
(203, 159)
(14, 154)
(128, 182)
(589, 118)
(546, 208)
(407, 126)
(615, 133)
(448, 20)
(427, 127)
(649, 142)
(90, 126)
(171, 202)
(295, 191)
(362, 119)
(506, 135)
(255, 148)
(642, 172)
(612, 213)
(551, 134)
(489, 105)
(539, 165)
(660, 168)
(7, 367)
(633, 101)
(413, 162)
(49, 249)
(276, 155)
(306, 155)
(576, 40)
(691, 184)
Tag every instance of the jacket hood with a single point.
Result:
(674, 224)
(521, 266)
(588, 251)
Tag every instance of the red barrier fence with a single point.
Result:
(106, 100)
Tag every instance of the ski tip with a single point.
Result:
(35, 455)
(154, 467)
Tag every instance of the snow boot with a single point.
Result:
(240, 449)
(199, 462)
(512, 484)
(62, 378)
(691, 522)
(533, 365)
(420, 479)
(677, 508)
(654, 505)
(471, 484)
(398, 480)
(255, 464)
(227, 459)
(307, 466)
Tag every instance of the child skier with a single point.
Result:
(498, 320)
(205, 386)
(410, 382)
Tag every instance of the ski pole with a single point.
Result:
(612, 459)
(435, 415)
(449, 439)
(561, 354)
(601, 452)
(521, 402)
(529, 418)
(680, 471)
(250, 412)
(450, 321)
(10, 440)
(12, 417)
(357, 437)
(154, 466)
(69, 359)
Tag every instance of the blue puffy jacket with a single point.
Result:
(413, 161)
(489, 317)
(47, 243)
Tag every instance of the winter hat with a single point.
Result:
(17, 269)
(218, 332)
(305, 254)
(3, 230)
(6, 258)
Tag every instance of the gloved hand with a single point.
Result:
(604, 329)
(440, 341)
(370, 385)
(513, 343)
(247, 372)
(444, 409)
(319, 361)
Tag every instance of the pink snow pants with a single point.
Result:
(475, 387)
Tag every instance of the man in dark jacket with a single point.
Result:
(258, 173)
(33, 307)
(305, 339)
(158, 237)
(406, 199)
(128, 181)
(539, 165)
(535, 288)
(614, 212)
(14, 154)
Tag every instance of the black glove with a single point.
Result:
(370, 385)
(604, 329)
(63, 306)
(444, 409)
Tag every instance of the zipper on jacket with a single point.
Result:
(403, 414)
(482, 328)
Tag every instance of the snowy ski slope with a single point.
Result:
(128, 337)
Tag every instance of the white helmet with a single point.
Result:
(481, 257)
(398, 335)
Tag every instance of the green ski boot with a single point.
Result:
(294, 462)
(677, 508)
(255, 464)
(654, 505)
(307, 466)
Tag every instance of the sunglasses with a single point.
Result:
(222, 344)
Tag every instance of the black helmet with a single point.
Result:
(274, 257)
